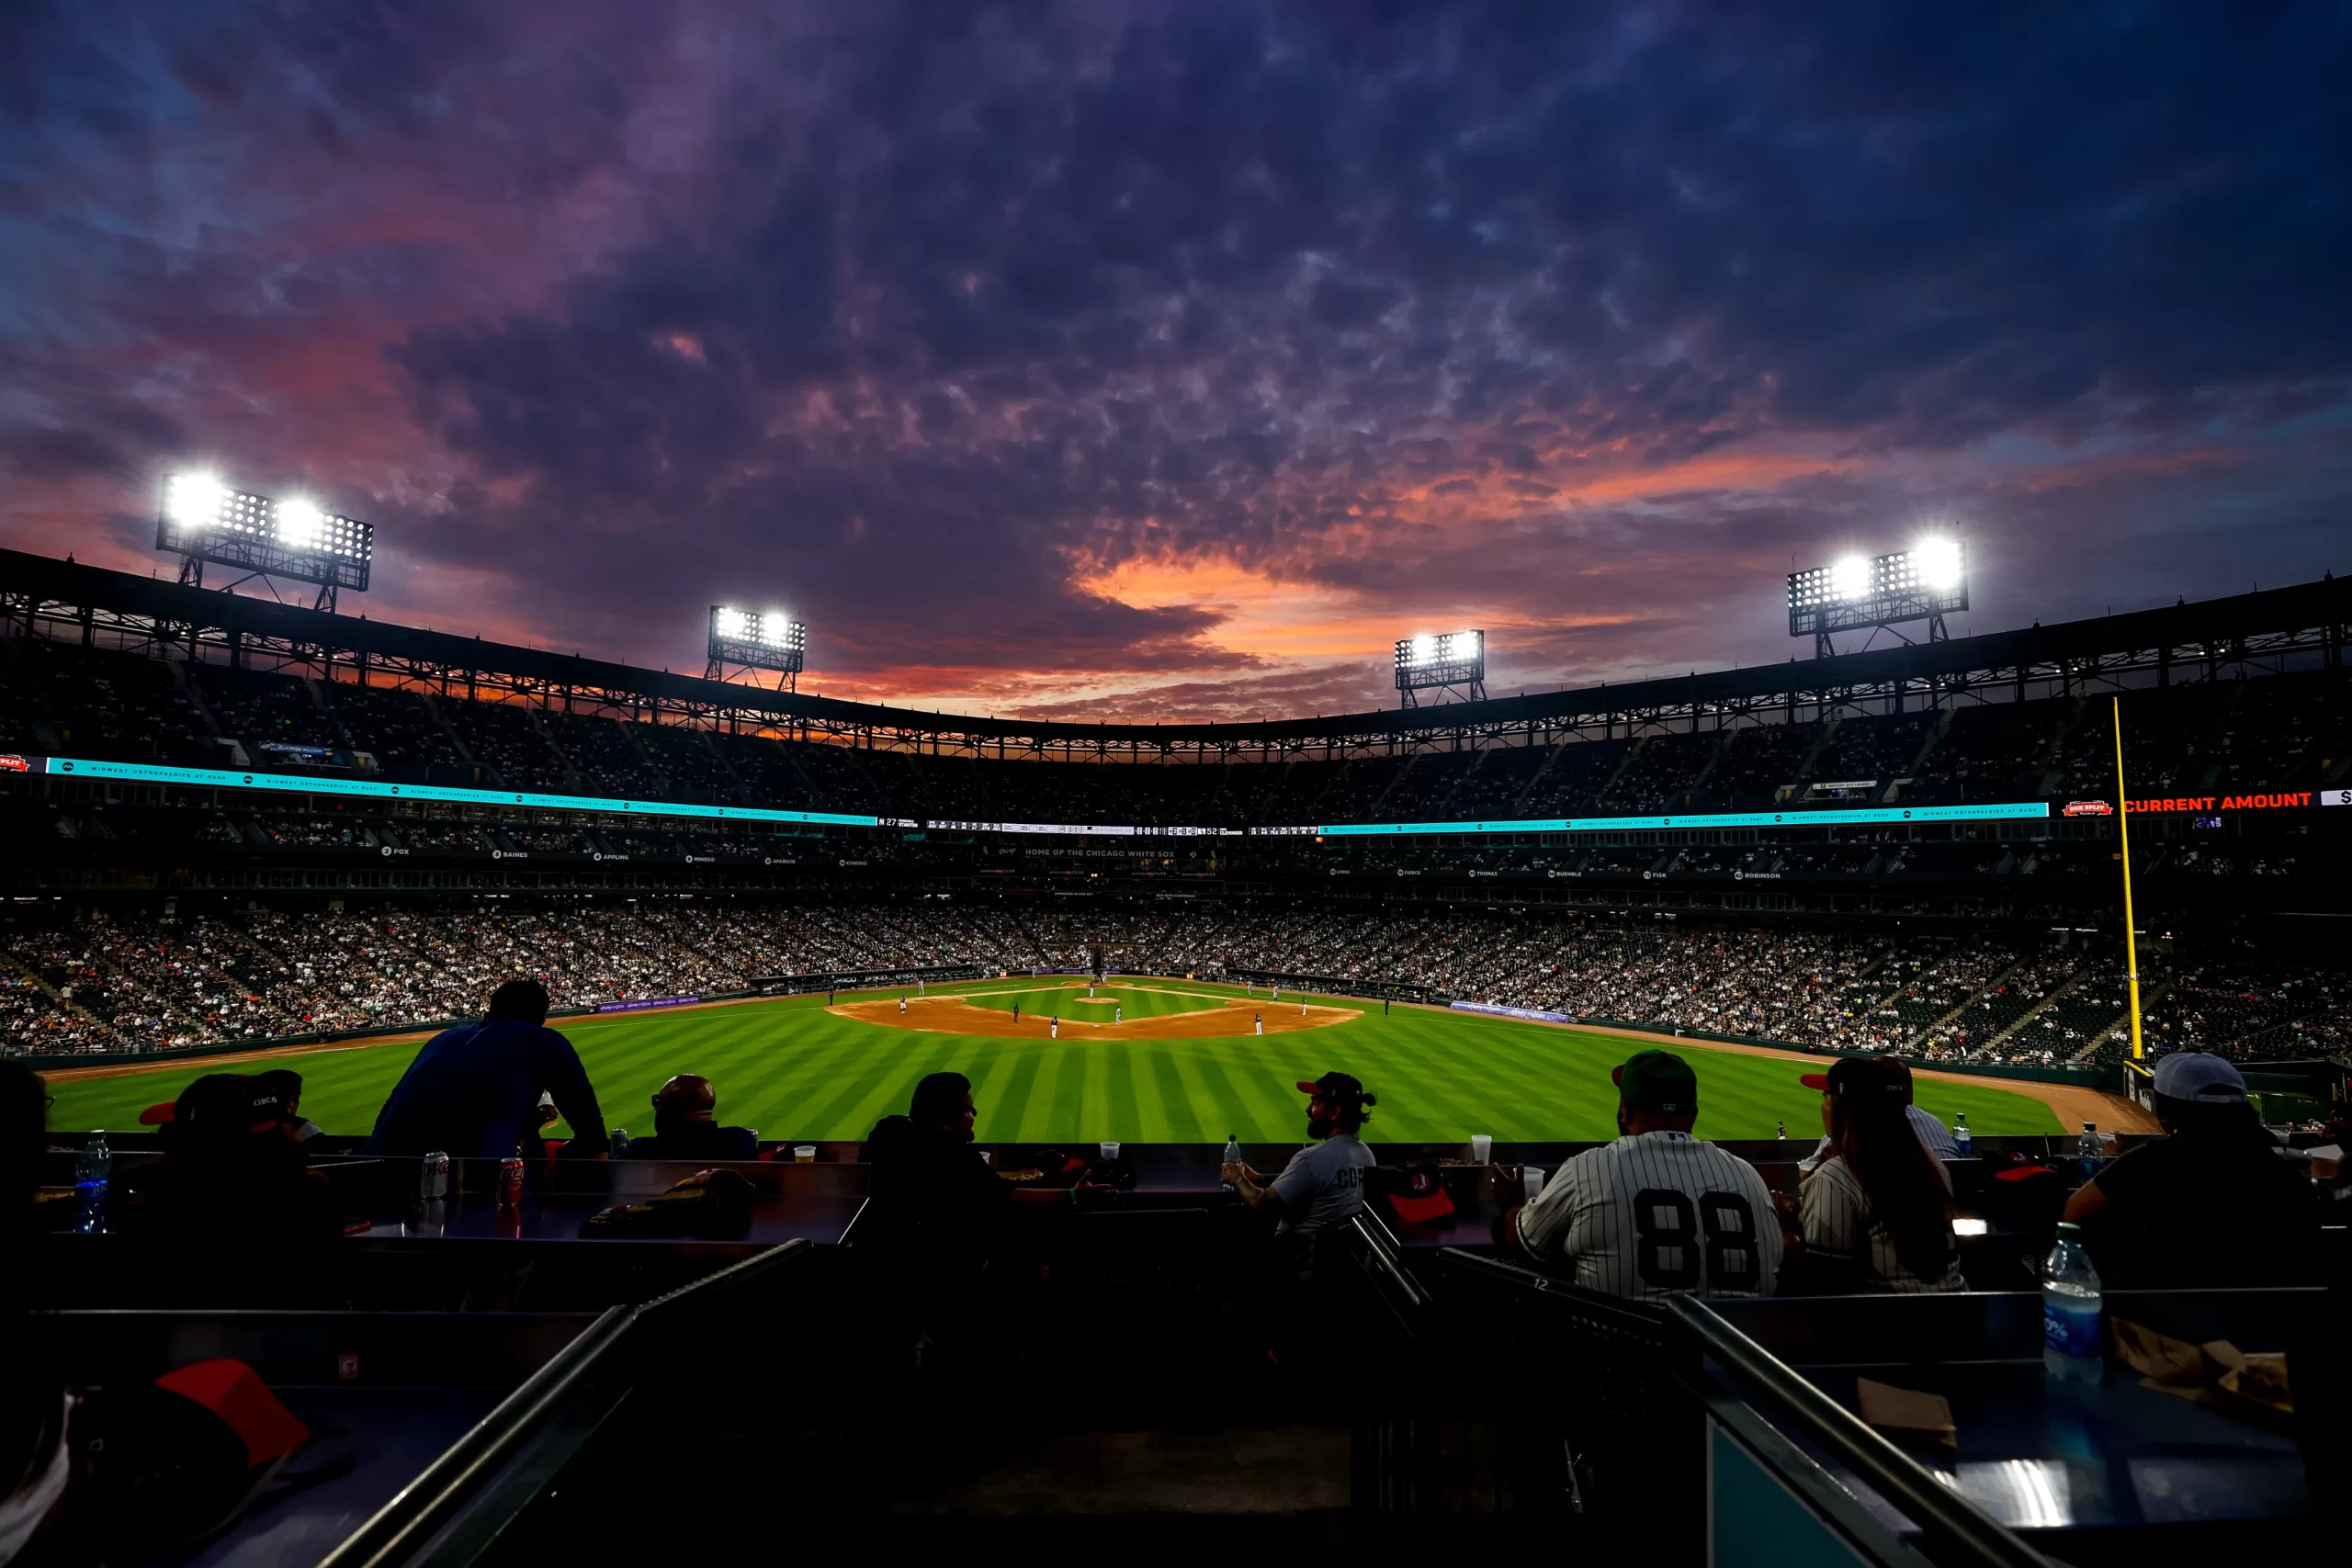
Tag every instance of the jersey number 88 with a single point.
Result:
(1667, 1224)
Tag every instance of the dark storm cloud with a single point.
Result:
(931, 319)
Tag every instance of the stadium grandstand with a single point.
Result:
(259, 851)
(1911, 849)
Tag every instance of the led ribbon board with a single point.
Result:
(1847, 817)
(301, 784)
(370, 789)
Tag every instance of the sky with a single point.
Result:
(1170, 360)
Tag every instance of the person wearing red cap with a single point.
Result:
(233, 1203)
(1876, 1214)
(1322, 1187)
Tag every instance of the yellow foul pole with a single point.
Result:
(2124, 830)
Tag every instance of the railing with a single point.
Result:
(1964, 1535)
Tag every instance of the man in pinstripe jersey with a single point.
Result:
(1658, 1212)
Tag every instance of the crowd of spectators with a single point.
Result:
(118, 978)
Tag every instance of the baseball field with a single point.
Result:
(1143, 1060)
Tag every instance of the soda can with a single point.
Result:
(435, 1184)
(620, 1142)
(510, 1182)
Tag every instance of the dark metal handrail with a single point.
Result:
(1633, 1317)
(1977, 1537)
(1379, 1251)
(420, 1509)
(743, 1271)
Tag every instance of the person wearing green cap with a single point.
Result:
(1658, 1212)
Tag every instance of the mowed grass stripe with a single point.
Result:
(795, 1071)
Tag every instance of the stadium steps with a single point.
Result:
(1812, 754)
(1394, 781)
(1975, 996)
(536, 718)
(744, 795)
(457, 741)
(1442, 811)
(1722, 750)
(1617, 772)
(2122, 1024)
(32, 977)
(2081, 974)
(1927, 745)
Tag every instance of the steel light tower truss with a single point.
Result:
(1879, 594)
(1450, 662)
(749, 640)
(295, 539)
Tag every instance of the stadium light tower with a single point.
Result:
(1452, 661)
(756, 639)
(1925, 583)
(295, 539)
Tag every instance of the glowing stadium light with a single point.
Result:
(756, 639)
(300, 523)
(1433, 661)
(193, 500)
(204, 520)
(1879, 593)
(1940, 564)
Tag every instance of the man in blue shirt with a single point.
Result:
(474, 1090)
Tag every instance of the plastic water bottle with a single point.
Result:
(1232, 1153)
(2072, 1348)
(93, 1173)
(2091, 1153)
(1961, 1138)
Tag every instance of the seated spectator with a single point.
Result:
(35, 1461)
(931, 1186)
(1876, 1215)
(287, 1085)
(935, 1222)
(473, 1091)
(1658, 1212)
(232, 1180)
(685, 1125)
(2211, 1203)
(1927, 1124)
(1322, 1187)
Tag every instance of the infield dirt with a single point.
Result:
(1225, 1020)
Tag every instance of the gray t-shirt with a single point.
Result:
(1322, 1187)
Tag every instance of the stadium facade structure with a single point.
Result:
(2025, 857)
(2266, 632)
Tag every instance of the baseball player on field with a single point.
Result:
(1657, 1214)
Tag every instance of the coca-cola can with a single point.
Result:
(510, 1182)
(435, 1183)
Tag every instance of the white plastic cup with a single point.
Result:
(1534, 1178)
(1482, 1148)
(1110, 1150)
(804, 1154)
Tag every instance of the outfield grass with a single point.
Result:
(793, 1070)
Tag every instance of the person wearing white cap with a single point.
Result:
(2210, 1203)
